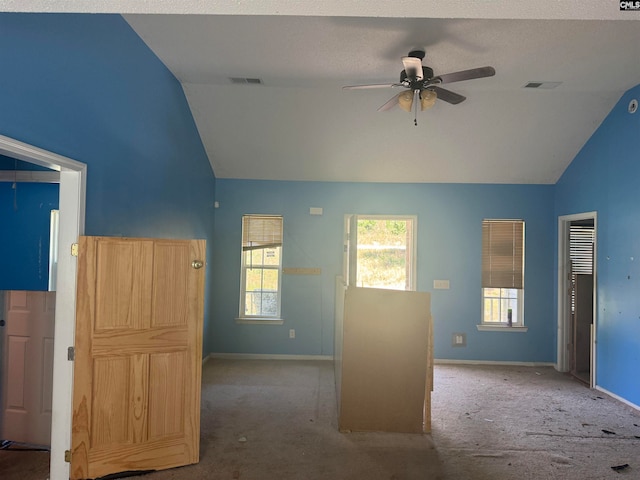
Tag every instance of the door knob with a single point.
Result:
(2, 322)
(197, 264)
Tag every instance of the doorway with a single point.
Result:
(577, 322)
(29, 192)
(71, 226)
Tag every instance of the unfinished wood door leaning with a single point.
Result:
(138, 355)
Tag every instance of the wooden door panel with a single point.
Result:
(166, 395)
(138, 355)
(123, 283)
(170, 292)
(110, 417)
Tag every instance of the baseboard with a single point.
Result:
(618, 397)
(266, 356)
(441, 361)
(445, 361)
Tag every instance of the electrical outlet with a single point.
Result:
(459, 340)
(441, 284)
(292, 333)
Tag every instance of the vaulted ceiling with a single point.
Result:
(299, 124)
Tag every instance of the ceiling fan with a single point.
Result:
(422, 87)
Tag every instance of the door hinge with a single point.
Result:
(67, 456)
(71, 354)
(74, 249)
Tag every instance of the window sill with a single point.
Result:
(502, 328)
(259, 321)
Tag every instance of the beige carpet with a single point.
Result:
(264, 420)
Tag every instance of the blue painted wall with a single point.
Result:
(87, 87)
(449, 246)
(25, 215)
(25, 212)
(604, 178)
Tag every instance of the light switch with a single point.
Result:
(441, 284)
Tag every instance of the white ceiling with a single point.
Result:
(300, 124)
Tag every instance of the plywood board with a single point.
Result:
(384, 360)
(337, 336)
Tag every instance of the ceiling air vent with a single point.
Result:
(245, 81)
(543, 85)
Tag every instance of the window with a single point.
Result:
(381, 251)
(261, 267)
(502, 272)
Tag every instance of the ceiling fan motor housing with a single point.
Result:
(427, 74)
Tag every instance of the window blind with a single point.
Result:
(261, 231)
(581, 249)
(503, 254)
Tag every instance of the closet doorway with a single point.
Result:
(577, 323)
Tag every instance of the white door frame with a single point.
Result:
(72, 215)
(564, 326)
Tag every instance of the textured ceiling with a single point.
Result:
(300, 124)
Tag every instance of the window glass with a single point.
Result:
(381, 251)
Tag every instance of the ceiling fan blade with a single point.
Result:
(392, 102)
(467, 75)
(373, 85)
(412, 67)
(447, 95)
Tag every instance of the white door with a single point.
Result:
(27, 376)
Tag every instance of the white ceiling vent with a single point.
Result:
(543, 85)
(245, 81)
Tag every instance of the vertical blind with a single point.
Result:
(261, 231)
(503, 254)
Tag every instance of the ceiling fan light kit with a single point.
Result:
(423, 86)
(405, 100)
(427, 100)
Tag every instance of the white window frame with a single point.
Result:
(517, 324)
(518, 320)
(260, 319)
(351, 242)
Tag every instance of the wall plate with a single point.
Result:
(459, 340)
